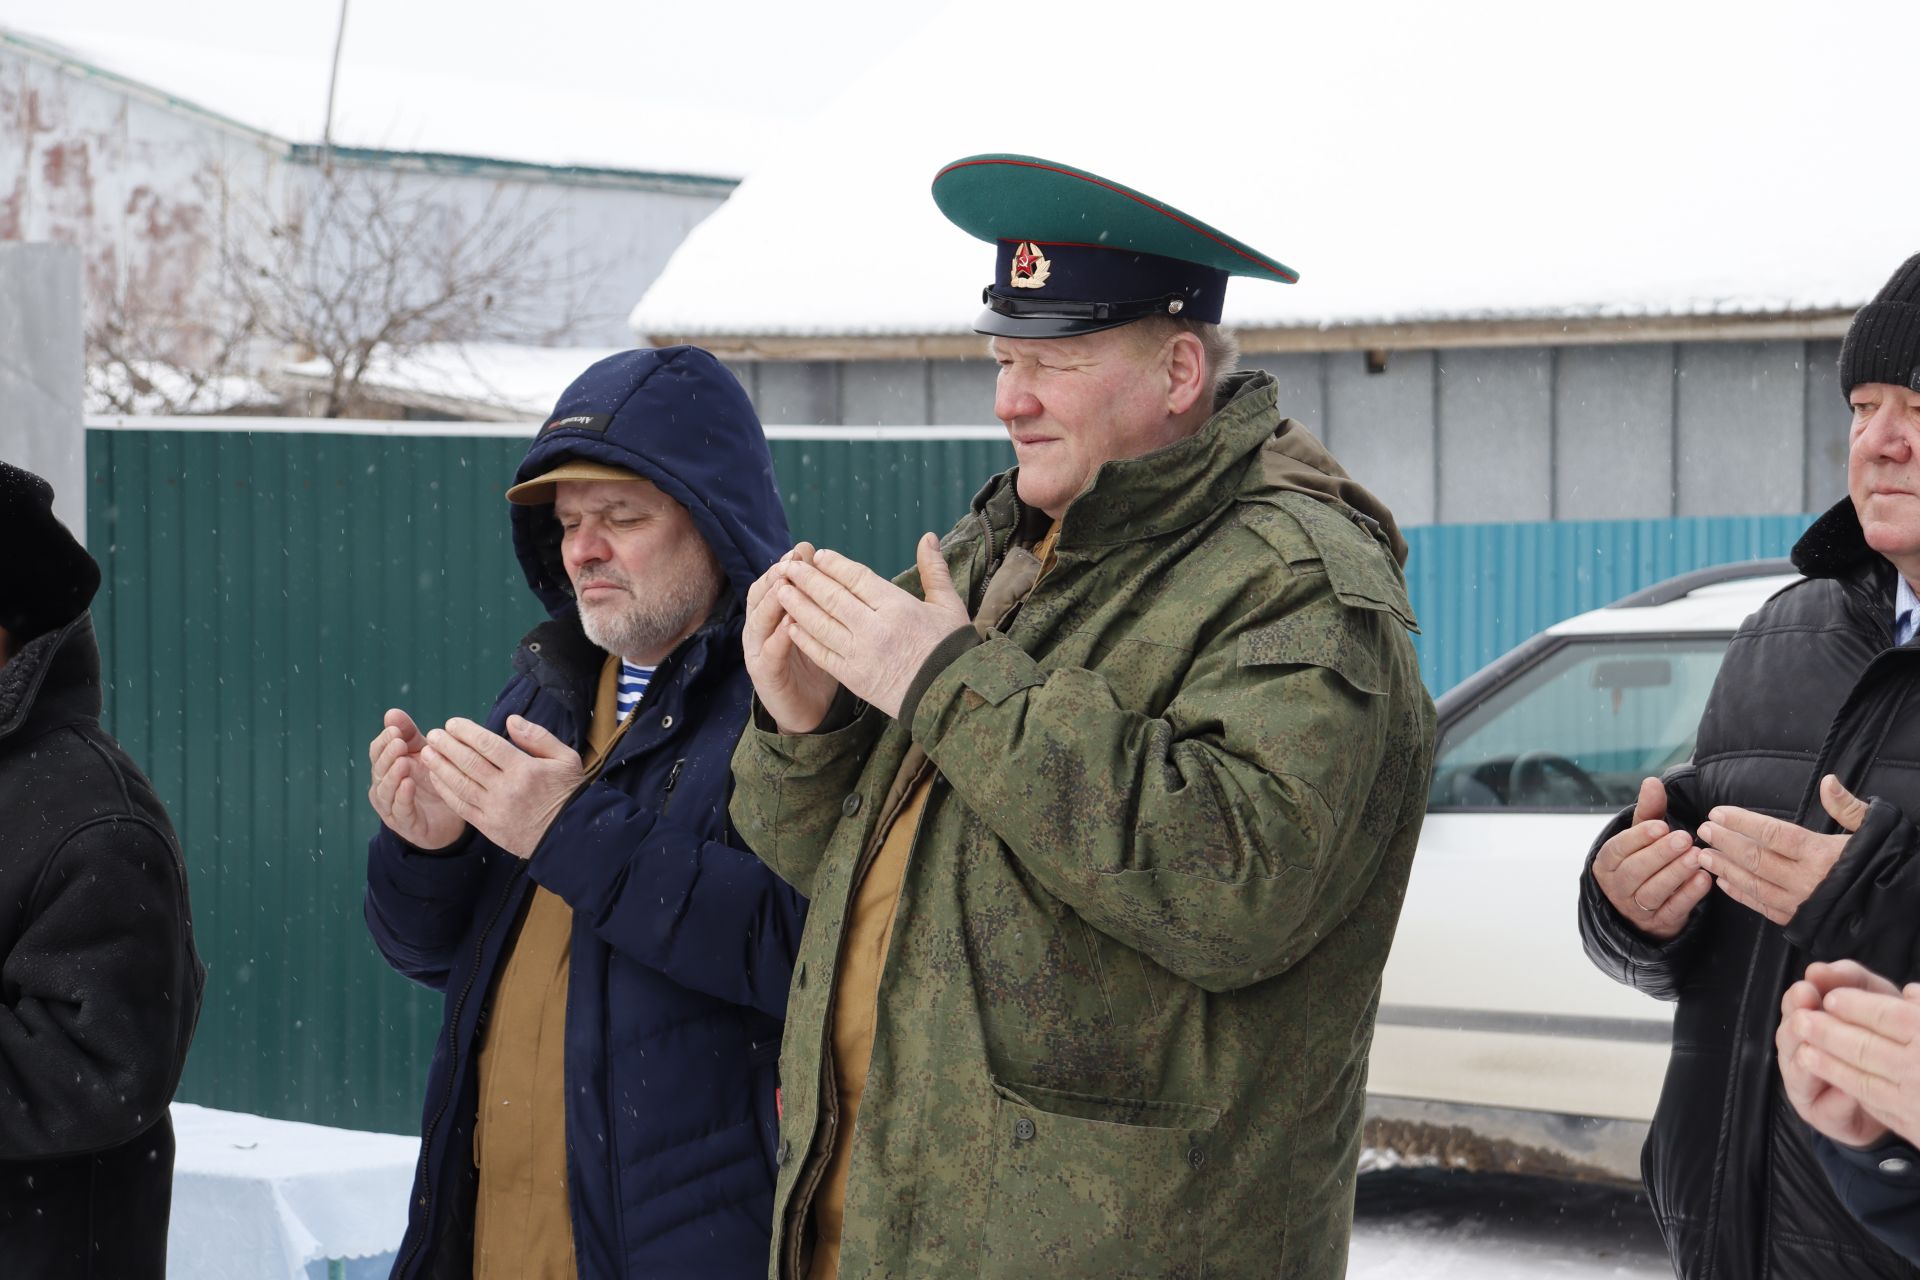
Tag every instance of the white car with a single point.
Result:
(1499, 1045)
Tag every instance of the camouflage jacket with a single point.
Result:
(1124, 1020)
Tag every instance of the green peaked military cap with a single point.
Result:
(1078, 253)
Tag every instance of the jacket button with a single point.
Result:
(1196, 1157)
(1023, 1130)
(666, 722)
(1895, 1165)
(800, 974)
(851, 805)
(780, 1154)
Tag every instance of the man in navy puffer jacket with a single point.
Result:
(602, 1097)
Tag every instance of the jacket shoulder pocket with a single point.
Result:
(1359, 568)
(1343, 640)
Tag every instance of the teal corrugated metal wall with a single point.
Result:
(1480, 589)
(269, 594)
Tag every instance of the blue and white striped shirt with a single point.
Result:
(1906, 610)
(633, 683)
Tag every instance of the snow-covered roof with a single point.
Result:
(468, 382)
(149, 387)
(1487, 160)
(480, 381)
(699, 90)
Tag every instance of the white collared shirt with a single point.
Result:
(1906, 610)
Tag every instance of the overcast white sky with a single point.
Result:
(1410, 159)
(695, 84)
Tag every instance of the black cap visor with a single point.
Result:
(1007, 317)
(995, 325)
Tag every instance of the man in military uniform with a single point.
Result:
(1106, 808)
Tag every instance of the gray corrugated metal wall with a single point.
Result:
(1477, 434)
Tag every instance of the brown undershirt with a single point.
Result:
(522, 1226)
(863, 958)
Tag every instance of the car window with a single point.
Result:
(1579, 729)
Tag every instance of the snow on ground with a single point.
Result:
(1490, 158)
(258, 1198)
(1433, 1225)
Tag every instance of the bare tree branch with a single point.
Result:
(359, 265)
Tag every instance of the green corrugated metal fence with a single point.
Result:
(267, 597)
(269, 592)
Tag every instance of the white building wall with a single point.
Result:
(135, 187)
(136, 182)
(602, 244)
(40, 427)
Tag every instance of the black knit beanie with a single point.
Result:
(47, 579)
(1883, 342)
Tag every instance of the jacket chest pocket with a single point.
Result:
(1090, 1186)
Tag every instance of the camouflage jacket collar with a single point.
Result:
(1163, 491)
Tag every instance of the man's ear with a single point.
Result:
(1187, 374)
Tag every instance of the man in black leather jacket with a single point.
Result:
(1849, 1039)
(1810, 710)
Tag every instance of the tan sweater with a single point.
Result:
(863, 957)
(522, 1226)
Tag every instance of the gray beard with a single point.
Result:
(649, 622)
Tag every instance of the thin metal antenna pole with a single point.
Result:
(333, 78)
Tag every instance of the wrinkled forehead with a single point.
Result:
(1103, 345)
(1878, 391)
(603, 497)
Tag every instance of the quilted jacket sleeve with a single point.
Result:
(1613, 943)
(420, 903)
(1867, 906)
(710, 916)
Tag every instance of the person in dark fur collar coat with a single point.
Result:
(99, 982)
